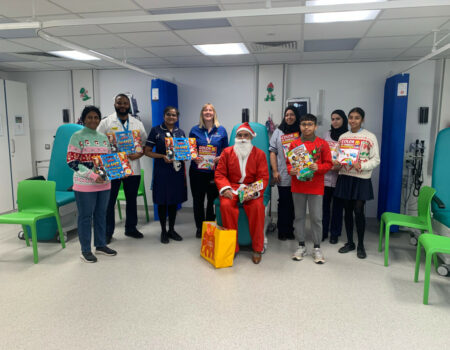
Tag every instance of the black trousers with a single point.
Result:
(355, 206)
(286, 213)
(130, 188)
(332, 210)
(202, 184)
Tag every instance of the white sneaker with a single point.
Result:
(318, 256)
(299, 253)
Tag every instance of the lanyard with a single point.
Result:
(208, 139)
(123, 124)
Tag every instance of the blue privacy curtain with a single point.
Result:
(393, 143)
(167, 96)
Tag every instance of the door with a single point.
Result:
(6, 198)
(19, 133)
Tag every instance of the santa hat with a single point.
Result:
(246, 127)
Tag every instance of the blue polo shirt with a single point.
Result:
(217, 137)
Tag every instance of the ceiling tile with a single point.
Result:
(146, 39)
(34, 65)
(210, 36)
(39, 44)
(339, 30)
(7, 57)
(271, 33)
(266, 20)
(190, 60)
(113, 14)
(428, 40)
(131, 52)
(416, 52)
(134, 27)
(156, 4)
(9, 46)
(100, 41)
(330, 44)
(146, 62)
(18, 33)
(24, 8)
(326, 55)
(411, 26)
(376, 54)
(268, 58)
(75, 30)
(421, 12)
(71, 64)
(234, 59)
(97, 6)
(170, 51)
(387, 42)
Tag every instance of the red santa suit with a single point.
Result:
(230, 173)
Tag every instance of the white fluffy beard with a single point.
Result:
(242, 148)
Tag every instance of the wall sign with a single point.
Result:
(402, 89)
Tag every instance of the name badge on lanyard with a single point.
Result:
(208, 139)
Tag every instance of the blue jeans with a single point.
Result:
(92, 205)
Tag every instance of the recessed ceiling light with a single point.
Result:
(75, 55)
(347, 16)
(222, 49)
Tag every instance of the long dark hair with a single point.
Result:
(335, 133)
(88, 109)
(288, 129)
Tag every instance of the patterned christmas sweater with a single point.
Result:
(369, 156)
(83, 145)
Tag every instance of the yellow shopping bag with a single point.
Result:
(218, 244)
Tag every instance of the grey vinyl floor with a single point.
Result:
(154, 296)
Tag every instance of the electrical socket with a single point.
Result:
(47, 146)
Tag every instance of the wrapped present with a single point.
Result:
(218, 244)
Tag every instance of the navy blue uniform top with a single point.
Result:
(217, 137)
(169, 186)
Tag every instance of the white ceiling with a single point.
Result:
(396, 34)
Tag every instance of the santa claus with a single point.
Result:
(240, 165)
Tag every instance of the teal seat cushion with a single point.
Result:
(64, 197)
(441, 169)
(58, 170)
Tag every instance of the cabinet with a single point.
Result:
(15, 144)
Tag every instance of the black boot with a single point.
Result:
(164, 237)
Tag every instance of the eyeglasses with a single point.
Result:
(171, 114)
(307, 124)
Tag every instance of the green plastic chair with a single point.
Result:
(141, 192)
(432, 245)
(36, 200)
(421, 222)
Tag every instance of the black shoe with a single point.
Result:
(198, 234)
(282, 237)
(290, 237)
(175, 236)
(333, 239)
(134, 234)
(361, 253)
(347, 248)
(164, 237)
(105, 251)
(88, 257)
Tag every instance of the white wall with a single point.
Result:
(348, 85)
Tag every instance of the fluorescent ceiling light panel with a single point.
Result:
(347, 16)
(75, 55)
(222, 49)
